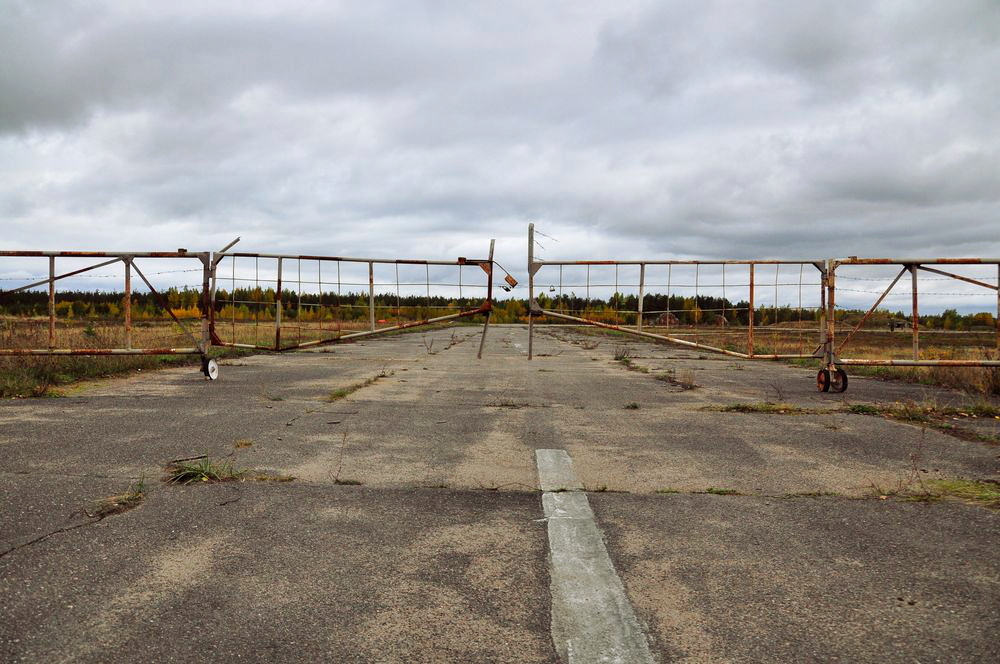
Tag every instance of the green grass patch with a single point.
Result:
(767, 407)
(202, 470)
(716, 491)
(122, 502)
(982, 493)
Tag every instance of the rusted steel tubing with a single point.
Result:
(670, 262)
(106, 254)
(365, 333)
(957, 276)
(871, 311)
(916, 313)
(354, 259)
(166, 305)
(918, 363)
(648, 335)
(100, 351)
(854, 260)
(57, 277)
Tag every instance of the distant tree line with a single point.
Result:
(258, 303)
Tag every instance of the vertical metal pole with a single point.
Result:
(127, 304)
(371, 295)
(277, 310)
(916, 313)
(670, 274)
(531, 288)
(750, 315)
(822, 306)
(207, 302)
(489, 300)
(52, 301)
(642, 293)
(831, 313)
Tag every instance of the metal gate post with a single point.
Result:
(277, 310)
(489, 300)
(831, 314)
(642, 288)
(371, 295)
(127, 305)
(916, 315)
(52, 302)
(750, 315)
(531, 288)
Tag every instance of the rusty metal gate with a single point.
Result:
(785, 310)
(145, 321)
(271, 302)
(282, 302)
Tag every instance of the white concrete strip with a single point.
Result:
(592, 619)
(555, 471)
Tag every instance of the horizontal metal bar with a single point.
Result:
(61, 276)
(108, 254)
(919, 363)
(680, 262)
(958, 276)
(854, 260)
(350, 259)
(100, 351)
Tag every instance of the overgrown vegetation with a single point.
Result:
(204, 469)
(953, 420)
(122, 502)
(340, 393)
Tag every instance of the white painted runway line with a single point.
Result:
(592, 619)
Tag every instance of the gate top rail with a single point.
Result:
(350, 259)
(854, 260)
(106, 254)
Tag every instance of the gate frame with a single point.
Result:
(830, 374)
(201, 343)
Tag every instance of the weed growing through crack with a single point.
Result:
(983, 493)
(721, 492)
(123, 502)
(342, 392)
(763, 407)
(623, 354)
(683, 379)
(632, 406)
(202, 470)
(241, 443)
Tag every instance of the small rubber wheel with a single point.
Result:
(210, 368)
(838, 380)
(823, 380)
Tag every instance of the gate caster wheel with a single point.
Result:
(210, 368)
(838, 380)
(823, 380)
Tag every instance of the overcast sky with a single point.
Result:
(626, 129)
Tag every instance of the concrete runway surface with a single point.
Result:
(414, 530)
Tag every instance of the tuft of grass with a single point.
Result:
(982, 493)
(632, 406)
(763, 407)
(721, 492)
(683, 379)
(623, 354)
(272, 477)
(863, 409)
(346, 482)
(241, 443)
(202, 470)
(123, 502)
(342, 392)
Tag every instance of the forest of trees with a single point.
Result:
(258, 303)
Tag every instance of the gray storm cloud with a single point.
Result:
(716, 129)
